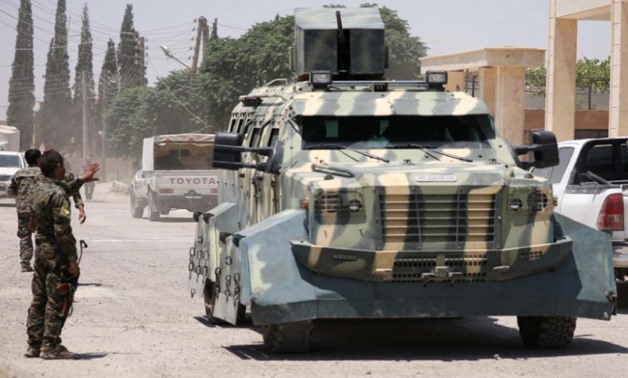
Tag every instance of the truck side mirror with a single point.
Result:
(545, 149)
(227, 151)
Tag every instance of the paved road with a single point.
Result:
(134, 318)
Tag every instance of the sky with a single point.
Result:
(445, 26)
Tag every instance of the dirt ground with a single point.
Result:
(134, 317)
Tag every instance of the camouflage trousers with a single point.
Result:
(50, 305)
(26, 239)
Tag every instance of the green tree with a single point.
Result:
(56, 127)
(84, 92)
(592, 76)
(235, 66)
(108, 80)
(404, 50)
(174, 105)
(130, 54)
(85, 62)
(22, 83)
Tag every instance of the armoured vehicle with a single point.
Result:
(345, 195)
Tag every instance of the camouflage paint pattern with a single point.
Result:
(55, 249)
(455, 230)
(21, 183)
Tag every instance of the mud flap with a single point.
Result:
(198, 267)
(593, 257)
(203, 256)
(229, 283)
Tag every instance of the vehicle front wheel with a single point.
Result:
(546, 331)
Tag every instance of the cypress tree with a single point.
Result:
(84, 92)
(56, 128)
(130, 54)
(22, 83)
(108, 82)
(85, 61)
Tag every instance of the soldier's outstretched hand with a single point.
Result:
(88, 175)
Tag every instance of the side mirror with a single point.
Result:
(227, 151)
(228, 154)
(545, 150)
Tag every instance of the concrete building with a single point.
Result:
(501, 72)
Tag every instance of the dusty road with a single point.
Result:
(134, 318)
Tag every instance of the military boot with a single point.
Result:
(32, 352)
(26, 268)
(58, 353)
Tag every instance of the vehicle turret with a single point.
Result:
(347, 42)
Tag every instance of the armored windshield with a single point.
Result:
(396, 131)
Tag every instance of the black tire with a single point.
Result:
(546, 331)
(153, 211)
(136, 211)
(288, 337)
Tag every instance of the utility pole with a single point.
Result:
(85, 111)
(202, 25)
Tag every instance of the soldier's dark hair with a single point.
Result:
(48, 161)
(31, 156)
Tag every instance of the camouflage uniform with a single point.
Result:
(21, 182)
(55, 250)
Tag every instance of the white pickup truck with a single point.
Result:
(591, 185)
(175, 174)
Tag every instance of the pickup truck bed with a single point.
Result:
(591, 186)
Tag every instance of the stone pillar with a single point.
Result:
(486, 81)
(560, 106)
(510, 103)
(618, 109)
(455, 81)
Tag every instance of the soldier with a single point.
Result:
(56, 265)
(21, 182)
(89, 186)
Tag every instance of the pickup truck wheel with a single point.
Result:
(546, 331)
(153, 210)
(136, 210)
(288, 337)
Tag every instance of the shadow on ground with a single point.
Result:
(462, 339)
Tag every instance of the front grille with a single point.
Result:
(425, 218)
(4, 177)
(412, 269)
